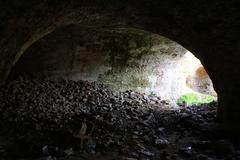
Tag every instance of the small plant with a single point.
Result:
(194, 99)
(153, 94)
(208, 99)
(188, 99)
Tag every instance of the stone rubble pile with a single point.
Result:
(71, 119)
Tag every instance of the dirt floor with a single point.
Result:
(68, 120)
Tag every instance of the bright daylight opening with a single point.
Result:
(193, 85)
(182, 82)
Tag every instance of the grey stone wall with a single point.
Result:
(124, 58)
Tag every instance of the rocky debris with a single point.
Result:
(66, 119)
(161, 142)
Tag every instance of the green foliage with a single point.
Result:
(188, 99)
(208, 99)
(194, 99)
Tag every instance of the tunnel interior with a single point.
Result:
(119, 80)
(71, 87)
(123, 58)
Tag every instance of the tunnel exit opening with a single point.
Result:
(181, 81)
(189, 83)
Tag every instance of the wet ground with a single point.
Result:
(70, 120)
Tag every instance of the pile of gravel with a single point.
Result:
(69, 119)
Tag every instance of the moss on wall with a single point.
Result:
(123, 58)
(124, 80)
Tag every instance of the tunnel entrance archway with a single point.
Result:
(124, 58)
(193, 25)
